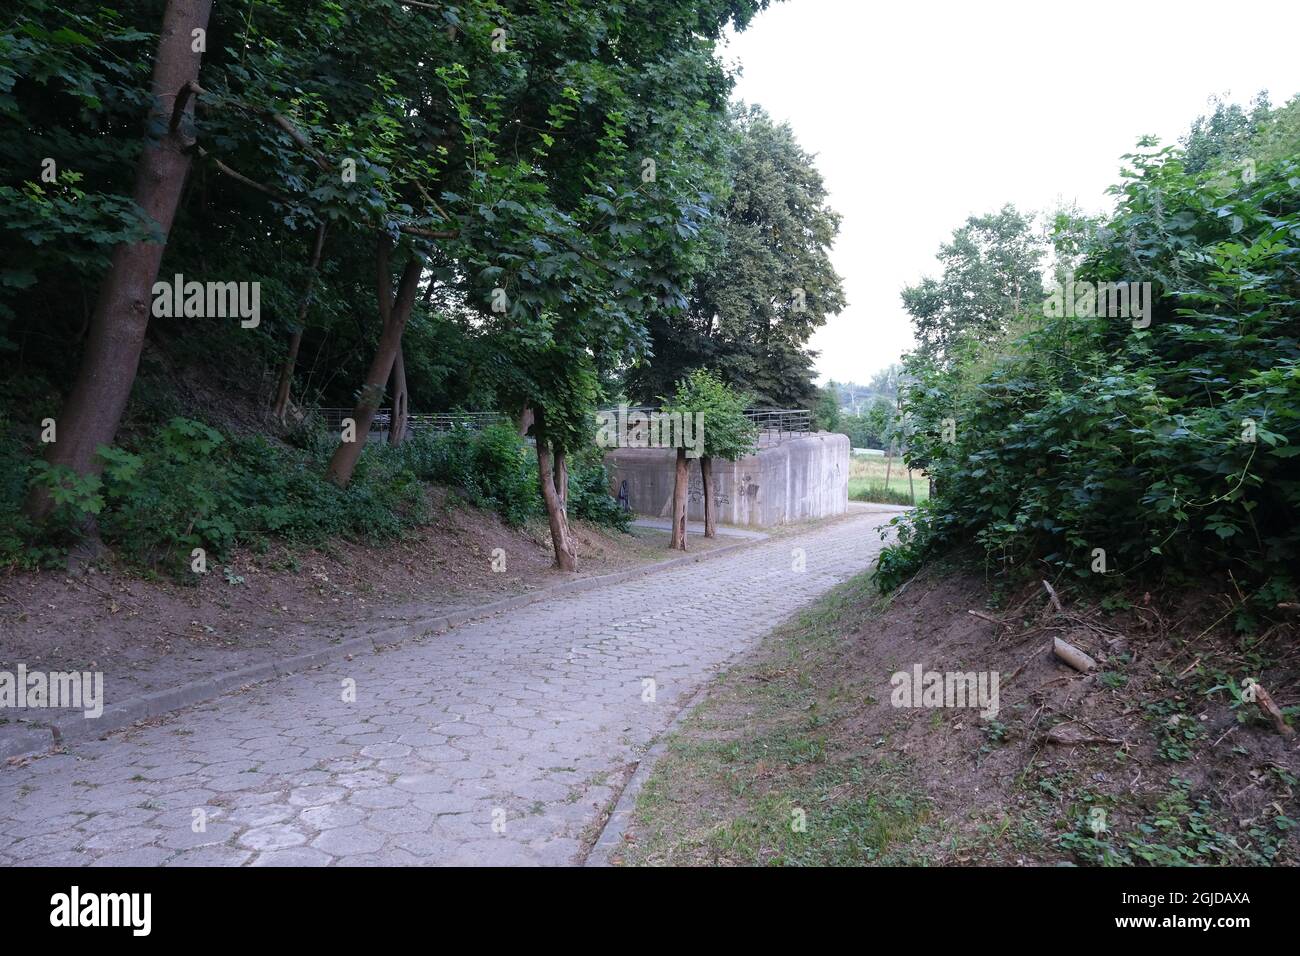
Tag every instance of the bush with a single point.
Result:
(589, 496)
(490, 467)
(495, 469)
(188, 486)
(1171, 448)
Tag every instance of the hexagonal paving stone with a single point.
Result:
(404, 820)
(345, 841)
(316, 796)
(278, 836)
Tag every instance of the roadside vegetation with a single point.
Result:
(797, 756)
(1124, 449)
(188, 486)
(886, 479)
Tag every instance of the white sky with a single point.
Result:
(923, 112)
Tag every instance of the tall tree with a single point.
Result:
(991, 270)
(767, 282)
(117, 328)
(1225, 135)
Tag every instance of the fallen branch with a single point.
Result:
(1067, 734)
(1265, 701)
(1056, 601)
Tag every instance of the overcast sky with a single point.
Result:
(924, 112)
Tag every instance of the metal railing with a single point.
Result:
(432, 421)
(771, 424)
(446, 421)
(778, 424)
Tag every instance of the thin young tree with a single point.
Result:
(713, 414)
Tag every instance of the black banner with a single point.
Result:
(335, 905)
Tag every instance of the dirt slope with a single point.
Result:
(1146, 759)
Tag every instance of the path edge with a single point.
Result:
(611, 834)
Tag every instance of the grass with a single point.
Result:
(867, 474)
(755, 778)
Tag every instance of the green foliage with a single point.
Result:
(874, 428)
(728, 434)
(826, 410)
(496, 470)
(1181, 830)
(517, 168)
(991, 268)
(765, 281)
(1177, 731)
(187, 486)
(1225, 136)
(1171, 447)
(490, 467)
(896, 493)
(589, 497)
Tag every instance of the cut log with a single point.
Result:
(1073, 656)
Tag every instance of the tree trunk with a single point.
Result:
(295, 340)
(710, 511)
(281, 407)
(525, 420)
(93, 411)
(401, 409)
(395, 315)
(562, 480)
(566, 554)
(678, 542)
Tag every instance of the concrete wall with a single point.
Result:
(793, 480)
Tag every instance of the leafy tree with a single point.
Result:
(767, 282)
(991, 271)
(117, 326)
(874, 428)
(826, 409)
(591, 242)
(1225, 135)
(398, 177)
(727, 432)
